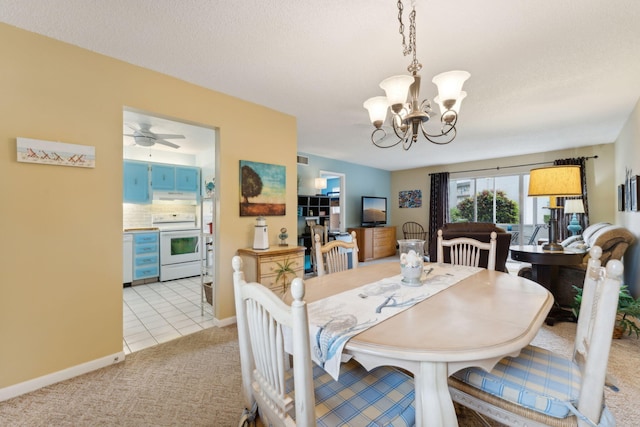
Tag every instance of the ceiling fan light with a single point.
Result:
(396, 89)
(450, 84)
(377, 107)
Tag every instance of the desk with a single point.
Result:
(476, 322)
(544, 270)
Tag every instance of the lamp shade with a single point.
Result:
(396, 88)
(558, 181)
(320, 183)
(572, 206)
(450, 84)
(377, 107)
(456, 106)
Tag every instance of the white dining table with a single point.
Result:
(475, 322)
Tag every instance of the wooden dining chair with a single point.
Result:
(335, 256)
(323, 232)
(542, 388)
(466, 251)
(413, 230)
(306, 395)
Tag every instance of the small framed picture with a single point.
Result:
(633, 190)
(621, 198)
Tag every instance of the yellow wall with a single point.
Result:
(61, 227)
(600, 180)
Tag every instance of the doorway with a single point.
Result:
(336, 190)
(155, 311)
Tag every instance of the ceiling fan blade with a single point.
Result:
(129, 134)
(168, 136)
(167, 143)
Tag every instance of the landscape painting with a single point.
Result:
(262, 189)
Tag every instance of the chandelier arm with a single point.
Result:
(450, 133)
(377, 142)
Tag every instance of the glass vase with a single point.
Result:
(411, 261)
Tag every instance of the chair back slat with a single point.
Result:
(466, 251)
(334, 256)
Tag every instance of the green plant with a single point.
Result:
(283, 270)
(628, 310)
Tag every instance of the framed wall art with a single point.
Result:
(410, 199)
(262, 189)
(621, 198)
(633, 193)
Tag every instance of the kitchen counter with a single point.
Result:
(140, 229)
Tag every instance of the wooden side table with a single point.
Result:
(544, 270)
(261, 265)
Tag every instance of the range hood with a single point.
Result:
(186, 198)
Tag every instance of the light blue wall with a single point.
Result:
(360, 181)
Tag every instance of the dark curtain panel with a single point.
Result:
(563, 220)
(438, 207)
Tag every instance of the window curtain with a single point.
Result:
(563, 220)
(438, 208)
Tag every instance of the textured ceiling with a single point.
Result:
(545, 74)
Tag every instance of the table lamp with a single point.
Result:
(574, 206)
(320, 184)
(552, 182)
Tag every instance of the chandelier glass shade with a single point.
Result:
(408, 114)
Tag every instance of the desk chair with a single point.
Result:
(541, 388)
(382, 396)
(466, 251)
(334, 256)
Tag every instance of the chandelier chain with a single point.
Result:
(411, 47)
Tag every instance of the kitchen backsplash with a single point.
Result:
(139, 216)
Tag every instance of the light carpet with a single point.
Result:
(195, 381)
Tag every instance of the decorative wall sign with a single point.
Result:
(410, 199)
(262, 189)
(55, 153)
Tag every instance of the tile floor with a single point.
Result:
(159, 312)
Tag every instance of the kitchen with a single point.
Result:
(168, 215)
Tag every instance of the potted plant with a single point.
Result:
(627, 316)
(283, 271)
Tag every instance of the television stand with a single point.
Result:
(375, 242)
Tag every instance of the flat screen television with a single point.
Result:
(374, 211)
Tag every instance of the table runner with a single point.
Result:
(335, 319)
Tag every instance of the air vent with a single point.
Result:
(303, 160)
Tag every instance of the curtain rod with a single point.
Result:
(509, 167)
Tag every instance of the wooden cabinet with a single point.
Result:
(187, 179)
(136, 182)
(163, 177)
(146, 256)
(375, 242)
(262, 265)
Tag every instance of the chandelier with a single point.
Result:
(408, 114)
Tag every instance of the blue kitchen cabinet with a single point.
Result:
(146, 256)
(135, 182)
(163, 177)
(187, 179)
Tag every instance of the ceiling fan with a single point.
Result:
(145, 138)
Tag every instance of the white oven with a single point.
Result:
(180, 246)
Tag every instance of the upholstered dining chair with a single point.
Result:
(466, 251)
(306, 395)
(542, 388)
(334, 256)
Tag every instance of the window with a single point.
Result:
(501, 200)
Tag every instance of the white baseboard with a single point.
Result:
(56, 377)
(221, 323)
